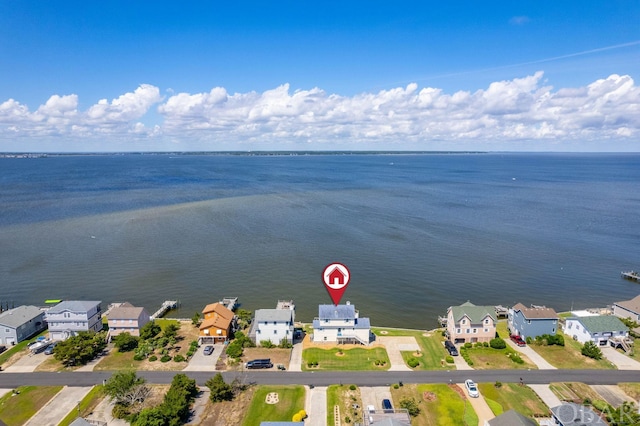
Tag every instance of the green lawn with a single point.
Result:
(344, 398)
(446, 407)
(569, 356)
(487, 358)
(432, 350)
(356, 359)
(513, 396)
(17, 409)
(290, 401)
(88, 403)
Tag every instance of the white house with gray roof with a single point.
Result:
(341, 324)
(69, 317)
(274, 325)
(20, 323)
(598, 329)
(471, 323)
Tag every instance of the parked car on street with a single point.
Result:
(518, 340)
(472, 388)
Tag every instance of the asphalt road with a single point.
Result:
(362, 378)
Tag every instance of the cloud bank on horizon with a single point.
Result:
(607, 112)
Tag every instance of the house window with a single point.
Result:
(486, 321)
(274, 323)
(275, 331)
(463, 321)
(553, 330)
(458, 330)
(570, 325)
(528, 321)
(475, 330)
(486, 330)
(468, 331)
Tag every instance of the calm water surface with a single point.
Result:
(418, 232)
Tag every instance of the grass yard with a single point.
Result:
(569, 356)
(432, 351)
(501, 329)
(356, 359)
(631, 389)
(290, 401)
(17, 409)
(87, 405)
(487, 358)
(344, 398)
(440, 405)
(513, 396)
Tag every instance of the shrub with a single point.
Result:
(449, 359)
(297, 418)
(352, 387)
(485, 344)
(591, 350)
(165, 358)
(138, 357)
(267, 344)
(516, 358)
(413, 362)
(498, 343)
(125, 342)
(153, 358)
(468, 345)
(498, 384)
(178, 358)
(411, 405)
(120, 411)
(396, 386)
(234, 350)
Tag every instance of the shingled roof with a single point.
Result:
(601, 323)
(541, 312)
(475, 313)
(632, 305)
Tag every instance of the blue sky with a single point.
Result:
(416, 75)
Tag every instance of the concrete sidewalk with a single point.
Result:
(59, 406)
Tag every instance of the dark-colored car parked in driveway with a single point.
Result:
(453, 351)
(386, 405)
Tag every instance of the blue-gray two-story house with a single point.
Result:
(531, 322)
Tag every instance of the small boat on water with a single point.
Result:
(631, 275)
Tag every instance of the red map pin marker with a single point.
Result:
(336, 277)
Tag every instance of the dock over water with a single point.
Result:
(167, 305)
(631, 275)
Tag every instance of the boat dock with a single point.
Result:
(230, 303)
(167, 305)
(631, 275)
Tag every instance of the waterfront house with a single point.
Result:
(341, 324)
(510, 418)
(628, 309)
(126, 318)
(274, 325)
(531, 322)
(69, 317)
(20, 323)
(217, 323)
(471, 323)
(598, 329)
(570, 414)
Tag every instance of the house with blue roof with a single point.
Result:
(341, 324)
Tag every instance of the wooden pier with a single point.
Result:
(167, 305)
(631, 275)
(230, 303)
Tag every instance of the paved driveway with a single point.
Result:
(620, 360)
(59, 406)
(295, 363)
(540, 362)
(316, 406)
(480, 406)
(374, 396)
(394, 346)
(27, 364)
(546, 395)
(201, 362)
(612, 394)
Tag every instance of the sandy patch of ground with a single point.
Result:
(228, 413)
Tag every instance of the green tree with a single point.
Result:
(81, 348)
(411, 405)
(126, 388)
(125, 342)
(195, 319)
(591, 350)
(150, 330)
(184, 382)
(171, 330)
(220, 390)
(234, 349)
(498, 343)
(151, 417)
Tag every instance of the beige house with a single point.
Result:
(217, 323)
(471, 323)
(628, 309)
(126, 318)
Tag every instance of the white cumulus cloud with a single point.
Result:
(525, 108)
